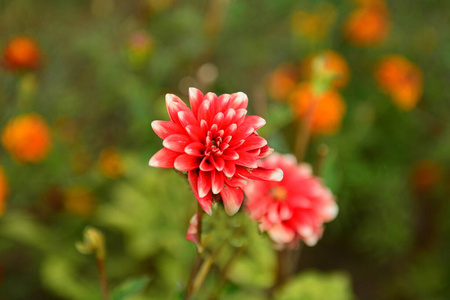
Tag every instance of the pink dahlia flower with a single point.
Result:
(216, 143)
(293, 209)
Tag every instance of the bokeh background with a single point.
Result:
(84, 79)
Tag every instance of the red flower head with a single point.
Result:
(293, 209)
(216, 143)
(22, 53)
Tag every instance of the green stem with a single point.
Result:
(103, 279)
(204, 269)
(198, 259)
(322, 153)
(304, 131)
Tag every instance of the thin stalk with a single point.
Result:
(198, 259)
(204, 269)
(322, 153)
(103, 279)
(304, 131)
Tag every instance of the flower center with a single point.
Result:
(215, 142)
(278, 193)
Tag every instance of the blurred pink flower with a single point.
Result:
(216, 143)
(293, 209)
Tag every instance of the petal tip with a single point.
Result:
(277, 175)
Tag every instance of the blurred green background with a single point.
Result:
(106, 66)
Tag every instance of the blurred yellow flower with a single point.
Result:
(329, 108)
(369, 24)
(21, 53)
(314, 25)
(110, 163)
(401, 79)
(79, 200)
(27, 138)
(282, 81)
(4, 189)
(335, 65)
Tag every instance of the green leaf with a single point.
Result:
(317, 286)
(130, 288)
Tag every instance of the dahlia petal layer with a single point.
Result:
(216, 143)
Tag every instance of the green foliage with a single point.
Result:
(316, 286)
(130, 288)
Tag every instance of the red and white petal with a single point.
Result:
(204, 111)
(206, 165)
(229, 116)
(218, 162)
(232, 199)
(222, 102)
(261, 174)
(205, 202)
(238, 100)
(252, 142)
(195, 149)
(164, 158)
(175, 105)
(265, 151)
(186, 162)
(246, 160)
(281, 234)
(218, 119)
(217, 181)
(195, 99)
(230, 130)
(236, 182)
(254, 121)
(229, 168)
(241, 133)
(230, 154)
(204, 183)
(165, 128)
(196, 133)
(187, 118)
(177, 142)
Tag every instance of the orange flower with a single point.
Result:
(314, 25)
(401, 79)
(282, 82)
(335, 64)
(3, 191)
(79, 200)
(110, 163)
(328, 111)
(27, 138)
(22, 53)
(369, 24)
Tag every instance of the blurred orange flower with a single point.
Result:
(22, 53)
(314, 25)
(328, 111)
(79, 200)
(110, 163)
(369, 24)
(401, 79)
(425, 175)
(27, 138)
(282, 81)
(335, 64)
(4, 188)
